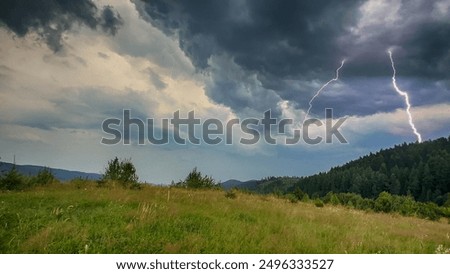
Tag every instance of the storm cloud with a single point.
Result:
(51, 18)
(284, 50)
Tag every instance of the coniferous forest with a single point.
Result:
(418, 170)
(408, 178)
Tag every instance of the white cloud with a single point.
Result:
(426, 118)
(49, 103)
(377, 15)
(35, 77)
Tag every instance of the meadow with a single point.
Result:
(80, 217)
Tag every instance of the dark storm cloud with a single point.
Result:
(51, 18)
(419, 40)
(111, 21)
(273, 43)
(431, 45)
(276, 37)
(266, 42)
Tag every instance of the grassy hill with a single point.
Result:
(80, 217)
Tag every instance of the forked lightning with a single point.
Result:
(405, 95)
(320, 90)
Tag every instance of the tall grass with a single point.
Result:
(76, 218)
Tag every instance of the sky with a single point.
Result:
(67, 66)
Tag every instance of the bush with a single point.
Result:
(446, 212)
(331, 198)
(299, 194)
(318, 203)
(12, 180)
(305, 198)
(195, 179)
(122, 171)
(367, 204)
(429, 211)
(357, 201)
(406, 205)
(345, 198)
(292, 198)
(231, 194)
(44, 177)
(384, 202)
(327, 198)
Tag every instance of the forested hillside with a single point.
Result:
(420, 170)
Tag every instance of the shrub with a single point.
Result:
(12, 180)
(351, 204)
(334, 200)
(299, 193)
(230, 194)
(292, 198)
(195, 179)
(357, 201)
(318, 203)
(344, 198)
(407, 206)
(446, 212)
(384, 202)
(327, 198)
(367, 204)
(429, 211)
(331, 198)
(305, 198)
(44, 177)
(122, 171)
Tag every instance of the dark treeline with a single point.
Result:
(419, 170)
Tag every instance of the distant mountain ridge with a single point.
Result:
(232, 183)
(60, 174)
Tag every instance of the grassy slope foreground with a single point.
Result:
(67, 219)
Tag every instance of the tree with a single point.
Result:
(44, 177)
(384, 202)
(331, 198)
(427, 183)
(128, 173)
(122, 171)
(12, 180)
(112, 171)
(299, 193)
(195, 179)
(394, 187)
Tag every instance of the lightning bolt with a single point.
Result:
(404, 95)
(320, 90)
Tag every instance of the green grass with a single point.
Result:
(69, 219)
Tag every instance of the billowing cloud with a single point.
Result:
(51, 18)
(417, 31)
(290, 47)
(427, 119)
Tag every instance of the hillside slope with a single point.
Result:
(421, 170)
(71, 218)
